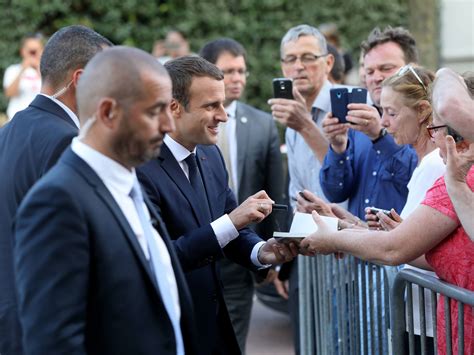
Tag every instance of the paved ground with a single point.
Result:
(270, 332)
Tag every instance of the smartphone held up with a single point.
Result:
(283, 88)
(341, 97)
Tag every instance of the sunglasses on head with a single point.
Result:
(408, 68)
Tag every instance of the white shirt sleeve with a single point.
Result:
(224, 230)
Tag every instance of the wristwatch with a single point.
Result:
(383, 133)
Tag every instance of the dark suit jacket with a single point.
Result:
(84, 284)
(194, 239)
(29, 145)
(259, 165)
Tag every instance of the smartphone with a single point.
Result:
(301, 193)
(456, 136)
(375, 210)
(341, 97)
(339, 102)
(358, 96)
(283, 88)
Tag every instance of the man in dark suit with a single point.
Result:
(31, 143)
(189, 184)
(251, 148)
(93, 275)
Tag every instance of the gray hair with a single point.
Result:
(303, 30)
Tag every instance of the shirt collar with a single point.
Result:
(179, 152)
(113, 174)
(71, 114)
(231, 109)
(323, 100)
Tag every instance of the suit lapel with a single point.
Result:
(243, 131)
(91, 177)
(43, 103)
(176, 174)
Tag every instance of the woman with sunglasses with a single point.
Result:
(406, 115)
(432, 229)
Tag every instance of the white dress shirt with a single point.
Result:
(223, 227)
(119, 181)
(230, 129)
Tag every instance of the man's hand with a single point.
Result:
(253, 210)
(291, 113)
(381, 221)
(457, 164)
(273, 252)
(320, 241)
(335, 132)
(310, 202)
(365, 119)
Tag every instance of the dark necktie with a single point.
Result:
(196, 182)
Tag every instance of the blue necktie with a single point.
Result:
(158, 266)
(196, 182)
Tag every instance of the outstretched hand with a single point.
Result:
(273, 252)
(320, 241)
(308, 202)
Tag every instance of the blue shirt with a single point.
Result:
(368, 174)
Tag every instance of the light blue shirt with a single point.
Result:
(303, 166)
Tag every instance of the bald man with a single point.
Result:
(95, 269)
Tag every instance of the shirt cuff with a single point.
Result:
(254, 256)
(224, 230)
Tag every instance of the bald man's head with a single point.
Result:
(116, 73)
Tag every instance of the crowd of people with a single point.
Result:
(139, 196)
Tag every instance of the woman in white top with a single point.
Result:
(406, 114)
(22, 82)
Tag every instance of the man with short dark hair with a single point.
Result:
(95, 269)
(251, 149)
(364, 164)
(31, 143)
(188, 184)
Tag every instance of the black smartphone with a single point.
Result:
(339, 102)
(456, 136)
(301, 193)
(283, 88)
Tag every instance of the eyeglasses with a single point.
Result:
(307, 58)
(241, 72)
(433, 129)
(408, 68)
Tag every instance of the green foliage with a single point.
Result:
(257, 24)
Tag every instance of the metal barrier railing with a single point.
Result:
(399, 304)
(344, 306)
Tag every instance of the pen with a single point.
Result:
(277, 206)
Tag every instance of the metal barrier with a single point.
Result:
(344, 306)
(404, 281)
